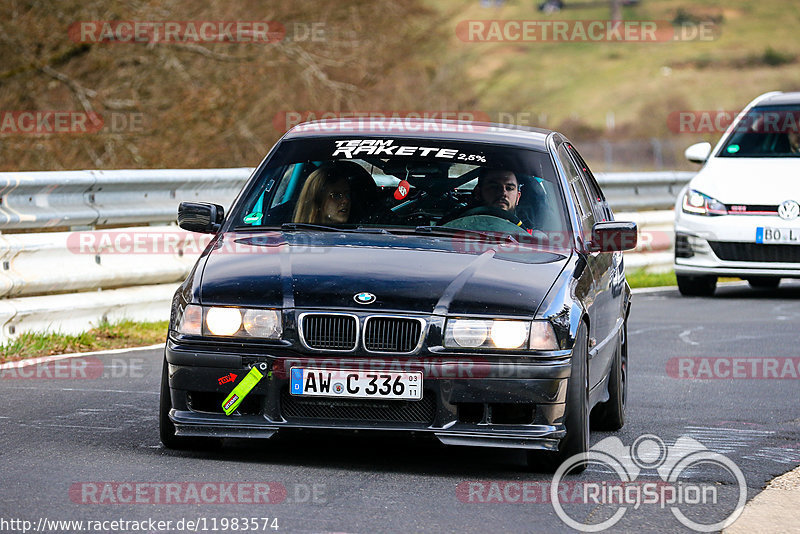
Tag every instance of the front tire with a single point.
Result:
(610, 415)
(696, 286)
(576, 414)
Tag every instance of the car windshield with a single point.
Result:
(765, 132)
(426, 186)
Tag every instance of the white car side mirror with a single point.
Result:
(698, 153)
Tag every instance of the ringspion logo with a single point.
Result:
(722, 486)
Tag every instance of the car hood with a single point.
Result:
(405, 273)
(762, 181)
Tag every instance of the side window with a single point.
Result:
(601, 210)
(578, 192)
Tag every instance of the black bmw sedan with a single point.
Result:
(458, 279)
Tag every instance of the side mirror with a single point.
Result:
(698, 153)
(200, 217)
(611, 236)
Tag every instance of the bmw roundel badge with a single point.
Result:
(364, 298)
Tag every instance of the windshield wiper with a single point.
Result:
(309, 226)
(368, 230)
(460, 232)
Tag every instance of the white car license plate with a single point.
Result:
(355, 383)
(768, 234)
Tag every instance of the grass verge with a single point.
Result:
(642, 278)
(104, 336)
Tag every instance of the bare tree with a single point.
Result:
(616, 10)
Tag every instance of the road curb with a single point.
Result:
(774, 510)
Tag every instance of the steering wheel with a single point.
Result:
(491, 211)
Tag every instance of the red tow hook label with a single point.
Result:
(227, 378)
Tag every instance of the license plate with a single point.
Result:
(768, 234)
(355, 383)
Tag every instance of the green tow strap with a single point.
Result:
(244, 387)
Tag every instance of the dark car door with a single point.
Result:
(586, 217)
(606, 269)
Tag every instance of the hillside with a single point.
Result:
(222, 104)
(621, 91)
(205, 104)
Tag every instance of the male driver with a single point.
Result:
(498, 189)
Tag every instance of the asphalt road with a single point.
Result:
(69, 445)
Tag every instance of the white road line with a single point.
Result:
(82, 427)
(84, 389)
(684, 336)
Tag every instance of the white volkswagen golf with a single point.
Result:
(739, 216)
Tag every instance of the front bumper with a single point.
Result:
(701, 240)
(468, 400)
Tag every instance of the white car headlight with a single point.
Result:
(468, 333)
(223, 321)
(230, 321)
(262, 323)
(700, 204)
(509, 334)
(499, 334)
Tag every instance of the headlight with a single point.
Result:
(230, 322)
(467, 333)
(509, 334)
(223, 321)
(262, 323)
(500, 334)
(700, 204)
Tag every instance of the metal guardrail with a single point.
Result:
(92, 198)
(641, 191)
(68, 280)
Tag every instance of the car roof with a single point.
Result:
(777, 99)
(450, 130)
